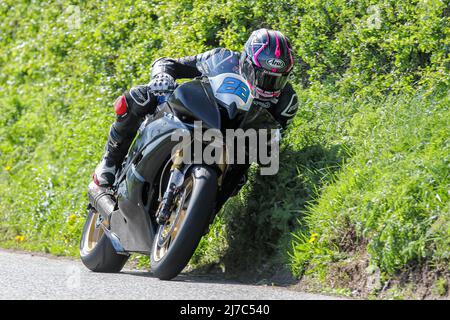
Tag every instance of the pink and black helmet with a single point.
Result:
(266, 62)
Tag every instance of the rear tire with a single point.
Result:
(167, 263)
(96, 250)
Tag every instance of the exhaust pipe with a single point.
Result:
(102, 201)
(105, 204)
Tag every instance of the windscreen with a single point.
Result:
(230, 89)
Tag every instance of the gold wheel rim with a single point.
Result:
(94, 233)
(171, 229)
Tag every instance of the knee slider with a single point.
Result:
(120, 106)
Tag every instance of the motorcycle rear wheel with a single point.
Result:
(96, 250)
(176, 241)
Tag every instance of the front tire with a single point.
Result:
(172, 251)
(96, 250)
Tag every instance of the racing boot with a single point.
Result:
(115, 151)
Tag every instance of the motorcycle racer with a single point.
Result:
(265, 62)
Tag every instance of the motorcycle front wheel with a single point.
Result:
(176, 240)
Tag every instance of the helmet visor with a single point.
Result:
(260, 79)
(269, 81)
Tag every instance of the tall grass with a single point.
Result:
(391, 196)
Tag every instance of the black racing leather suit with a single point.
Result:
(140, 101)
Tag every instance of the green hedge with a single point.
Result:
(366, 159)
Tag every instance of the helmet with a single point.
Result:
(266, 62)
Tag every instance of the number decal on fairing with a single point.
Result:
(236, 87)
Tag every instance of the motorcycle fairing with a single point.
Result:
(192, 101)
(230, 88)
(130, 222)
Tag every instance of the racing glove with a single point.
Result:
(161, 84)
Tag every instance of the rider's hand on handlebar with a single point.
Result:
(161, 84)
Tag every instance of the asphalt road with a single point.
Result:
(27, 276)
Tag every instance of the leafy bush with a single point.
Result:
(364, 165)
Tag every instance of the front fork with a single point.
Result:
(176, 180)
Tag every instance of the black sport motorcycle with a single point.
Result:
(159, 205)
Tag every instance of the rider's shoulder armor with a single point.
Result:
(221, 52)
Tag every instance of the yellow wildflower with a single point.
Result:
(8, 168)
(20, 238)
(72, 218)
(313, 238)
